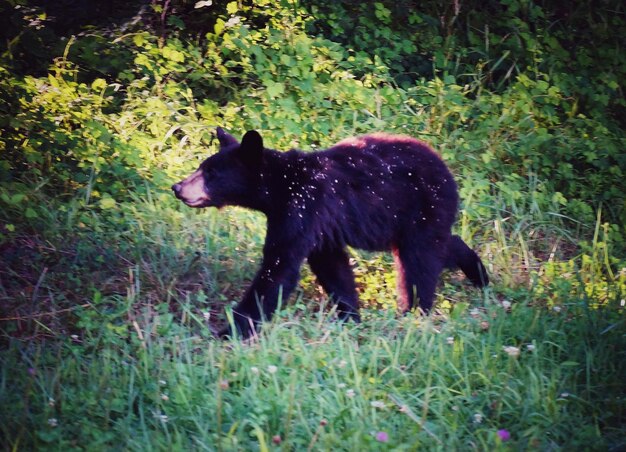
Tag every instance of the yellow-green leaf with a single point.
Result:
(232, 8)
(98, 84)
(107, 203)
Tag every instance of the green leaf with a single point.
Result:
(107, 203)
(173, 54)
(98, 84)
(219, 26)
(232, 8)
(275, 88)
(139, 39)
(142, 60)
(286, 60)
(17, 198)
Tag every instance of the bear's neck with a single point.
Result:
(279, 175)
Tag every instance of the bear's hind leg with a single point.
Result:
(332, 268)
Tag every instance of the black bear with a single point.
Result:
(376, 192)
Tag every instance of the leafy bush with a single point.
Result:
(267, 66)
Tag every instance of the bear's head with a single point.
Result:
(230, 177)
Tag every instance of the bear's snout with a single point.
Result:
(191, 191)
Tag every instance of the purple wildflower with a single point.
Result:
(383, 437)
(504, 435)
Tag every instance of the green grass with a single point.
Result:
(112, 347)
(438, 385)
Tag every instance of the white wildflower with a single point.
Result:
(53, 422)
(511, 351)
(478, 418)
(350, 393)
(556, 308)
(530, 347)
(234, 20)
(378, 404)
(450, 340)
(272, 369)
(203, 3)
(254, 370)
(506, 304)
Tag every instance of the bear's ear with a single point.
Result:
(226, 140)
(252, 148)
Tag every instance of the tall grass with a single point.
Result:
(124, 357)
(310, 383)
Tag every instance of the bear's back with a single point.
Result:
(367, 191)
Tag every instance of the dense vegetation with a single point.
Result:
(110, 288)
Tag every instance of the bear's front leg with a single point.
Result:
(275, 281)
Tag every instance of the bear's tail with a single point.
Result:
(462, 256)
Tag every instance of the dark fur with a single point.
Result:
(377, 192)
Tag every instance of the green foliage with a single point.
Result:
(266, 68)
(109, 287)
(156, 382)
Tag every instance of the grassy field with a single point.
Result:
(533, 365)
